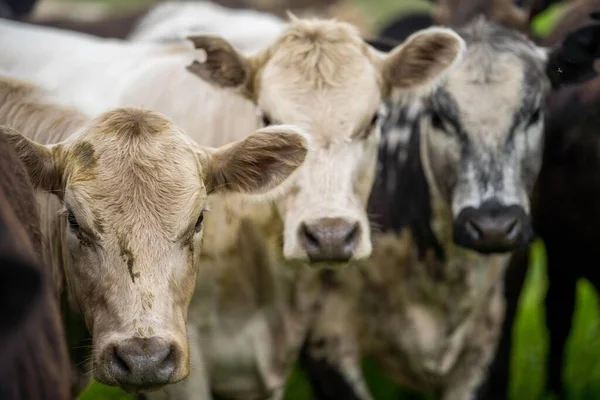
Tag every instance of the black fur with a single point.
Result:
(16, 9)
(566, 215)
(406, 202)
(573, 61)
(401, 28)
(326, 382)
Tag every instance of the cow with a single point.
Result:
(564, 212)
(34, 363)
(453, 203)
(123, 200)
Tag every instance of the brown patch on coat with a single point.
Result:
(84, 152)
(128, 258)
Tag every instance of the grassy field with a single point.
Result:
(582, 370)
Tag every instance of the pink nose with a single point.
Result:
(330, 239)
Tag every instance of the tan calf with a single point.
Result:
(125, 236)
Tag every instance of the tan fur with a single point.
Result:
(136, 186)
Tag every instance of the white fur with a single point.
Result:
(177, 20)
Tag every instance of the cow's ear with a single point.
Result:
(257, 165)
(423, 59)
(44, 164)
(573, 61)
(224, 65)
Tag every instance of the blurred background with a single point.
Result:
(530, 339)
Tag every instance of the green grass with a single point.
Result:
(582, 369)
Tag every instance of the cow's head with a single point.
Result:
(134, 189)
(482, 129)
(322, 76)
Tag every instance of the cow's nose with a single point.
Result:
(140, 363)
(493, 229)
(330, 239)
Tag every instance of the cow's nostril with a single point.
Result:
(352, 236)
(169, 364)
(473, 230)
(309, 238)
(119, 364)
(513, 228)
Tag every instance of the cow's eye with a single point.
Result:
(535, 117)
(73, 224)
(266, 120)
(374, 120)
(436, 120)
(198, 225)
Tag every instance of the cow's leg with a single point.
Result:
(330, 355)
(467, 376)
(560, 304)
(496, 384)
(331, 380)
(471, 368)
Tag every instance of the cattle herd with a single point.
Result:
(198, 199)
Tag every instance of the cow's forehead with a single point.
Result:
(492, 91)
(487, 100)
(152, 181)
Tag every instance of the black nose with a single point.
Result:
(139, 363)
(330, 239)
(493, 228)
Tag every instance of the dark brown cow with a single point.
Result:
(34, 363)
